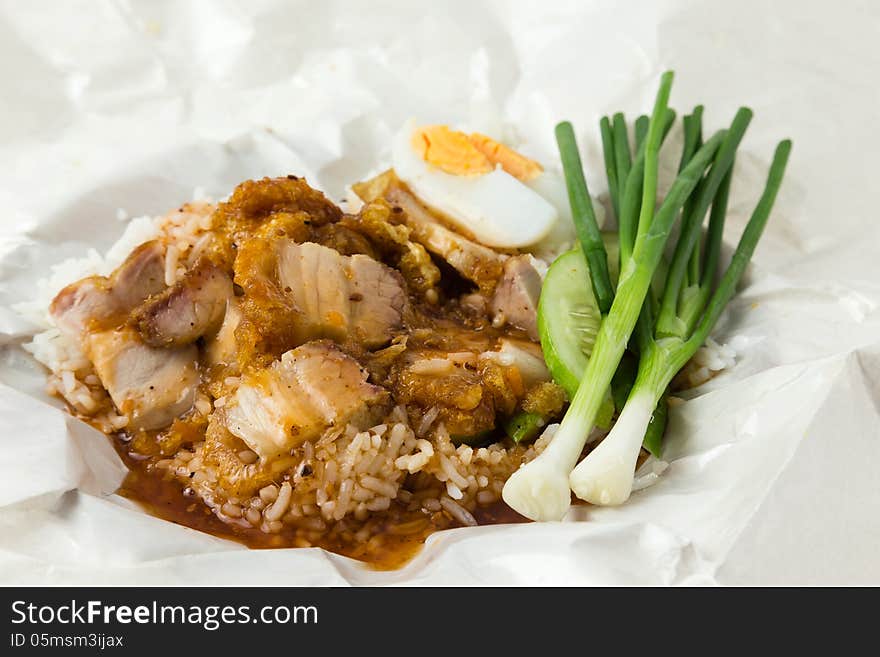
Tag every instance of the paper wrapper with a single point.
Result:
(773, 465)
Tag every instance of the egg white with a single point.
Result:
(497, 208)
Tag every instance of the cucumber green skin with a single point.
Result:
(569, 273)
(564, 360)
(567, 285)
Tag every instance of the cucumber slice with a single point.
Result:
(569, 319)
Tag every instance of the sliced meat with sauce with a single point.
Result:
(150, 385)
(289, 202)
(468, 392)
(386, 228)
(78, 304)
(516, 298)
(189, 309)
(475, 262)
(341, 297)
(101, 301)
(141, 275)
(376, 301)
(310, 389)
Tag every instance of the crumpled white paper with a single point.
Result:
(773, 465)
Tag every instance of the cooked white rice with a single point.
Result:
(707, 363)
(348, 477)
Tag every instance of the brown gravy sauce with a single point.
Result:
(164, 498)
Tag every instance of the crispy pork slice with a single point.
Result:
(475, 262)
(516, 298)
(341, 297)
(150, 385)
(99, 299)
(297, 398)
(76, 305)
(189, 309)
(140, 276)
(386, 228)
(376, 298)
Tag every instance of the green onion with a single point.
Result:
(610, 162)
(652, 157)
(746, 246)
(540, 489)
(641, 130)
(622, 157)
(696, 139)
(584, 216)
(668, 321)
(632, 193)
(605, 476)
(693, 301)
(693, 131)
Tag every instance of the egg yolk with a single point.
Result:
(516, 164)
(450, 151)
(459, 154)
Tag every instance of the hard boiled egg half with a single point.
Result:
(503, 198)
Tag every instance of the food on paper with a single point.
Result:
(276, 370)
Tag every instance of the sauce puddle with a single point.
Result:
(400, 540)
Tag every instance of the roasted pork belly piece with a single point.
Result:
(150, 385)
(99, 300)
(516, 297)
(309, 390)
(294, 293)
(341, 297)
(189, 309)
(475, 262)
(386, 228)
(288, 203)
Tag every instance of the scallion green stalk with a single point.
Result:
(694, 298)
(693, 139)
(631, 194)
(668, 321)
(622, 156)
(605, 476)
(584, 216)
(540, 489)
(641, 130)
(610, 163)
